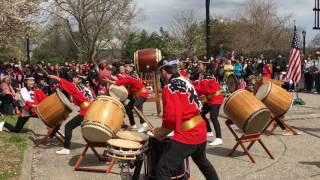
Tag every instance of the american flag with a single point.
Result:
(294, 71)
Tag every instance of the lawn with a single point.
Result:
(12, 148)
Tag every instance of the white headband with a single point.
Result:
(169, 63)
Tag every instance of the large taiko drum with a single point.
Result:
(103, 119)
(277, 99)
(118, 92)
(54, 109)
(146, 60)
(246, 111)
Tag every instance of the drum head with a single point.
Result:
(133, 136)
(232, 83)
(257, 121)
(123, 143)
(112, 99)
(64, 100)
(118, 92)
(95, 132)
(264, 90)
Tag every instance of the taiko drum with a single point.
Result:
(246, 111)
(103, 119)
(146, 60)
(54, 109)
(277, 99)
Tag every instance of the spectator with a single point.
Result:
(238, 68)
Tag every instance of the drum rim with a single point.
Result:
(111, 141)
(158, 55)
(64, 100)
(123, 87)
(237, 81)
(145, 137)
(114, 100)
(94, 123)
(265, 109)
(135, 60)
(123, 151)
(270, 85)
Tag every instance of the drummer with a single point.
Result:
(210, 88)
(129, 70)
(81, 97)
(181, 114)
(137, 91)
(31, 96)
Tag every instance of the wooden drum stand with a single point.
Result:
(279, 121)
(92, 146)
(151, 78)
(252, 138)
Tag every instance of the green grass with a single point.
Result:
(12, 148)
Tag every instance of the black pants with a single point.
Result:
(72, 124)
(214, 113)
(20, 123)
(137, 102)
(175, 154)
(317, 82)
(308, 80)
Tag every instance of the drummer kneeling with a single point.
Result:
(181, 114)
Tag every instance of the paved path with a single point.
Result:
(296, 157)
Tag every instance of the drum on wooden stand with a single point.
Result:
(128, 146)
(54, 109)
(118, 92)
(146, 60)
(277, 99)
(246, 111)
(103, 119)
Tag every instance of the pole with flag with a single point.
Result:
(294, 70)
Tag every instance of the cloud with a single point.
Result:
(159, 13)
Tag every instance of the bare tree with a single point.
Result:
(16, 19)
(188, 36)
(93, 24)
(260, 28)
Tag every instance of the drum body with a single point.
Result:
(54, 109)
(118, 92)
(232, 83)
(246, 111)
(146, 60)
(277, 99)
(156, 150)
(124, 149)
(103, 119)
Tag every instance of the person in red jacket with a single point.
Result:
(209, 89)
(138, 93)
(81, 97)
(31, 96)
(181, 114)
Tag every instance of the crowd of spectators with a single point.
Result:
(12, 74)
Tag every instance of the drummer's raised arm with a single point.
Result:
(54, 77)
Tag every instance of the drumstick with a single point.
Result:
(43, 70)
(143, 117)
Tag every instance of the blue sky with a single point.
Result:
(159, 13)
